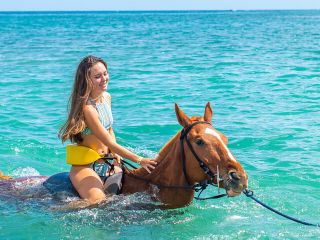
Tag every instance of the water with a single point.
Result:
(259, 69)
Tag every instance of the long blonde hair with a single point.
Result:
(82, 87)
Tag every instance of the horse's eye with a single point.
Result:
(199, 142)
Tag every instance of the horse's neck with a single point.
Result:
(169, 167)
(168, 172)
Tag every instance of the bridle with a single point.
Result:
(202, 185)
(198, 186)
(184, 136)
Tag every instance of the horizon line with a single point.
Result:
(158, 10)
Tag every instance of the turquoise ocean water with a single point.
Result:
(259, 69)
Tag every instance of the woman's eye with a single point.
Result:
(199, 142)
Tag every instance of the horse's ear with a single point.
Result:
(208, 113)
(182, 117)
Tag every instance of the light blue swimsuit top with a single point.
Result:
(104, 112)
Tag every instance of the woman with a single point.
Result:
(89, 124)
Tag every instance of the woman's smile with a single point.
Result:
(99, 76)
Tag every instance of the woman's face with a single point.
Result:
(100, 77)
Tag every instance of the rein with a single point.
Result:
(203, 186)
(197, 187)
(249, 193)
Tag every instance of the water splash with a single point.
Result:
(24, 172)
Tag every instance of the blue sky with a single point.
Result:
(40, 5)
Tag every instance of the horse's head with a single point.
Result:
(210, 146)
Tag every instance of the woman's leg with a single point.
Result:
(87, 183)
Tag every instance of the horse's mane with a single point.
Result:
(164, 150)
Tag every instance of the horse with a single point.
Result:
(194, 156)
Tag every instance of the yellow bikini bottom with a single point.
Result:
(80, 155)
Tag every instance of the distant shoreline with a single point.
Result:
(146, 11)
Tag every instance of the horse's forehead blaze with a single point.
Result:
(210, 131)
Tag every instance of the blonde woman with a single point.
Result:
(89, 124)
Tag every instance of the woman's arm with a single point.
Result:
(94, 124)
(112, 134)
(108, 97)
(116, 156)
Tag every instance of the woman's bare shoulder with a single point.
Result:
(89, 109)
(108, 97)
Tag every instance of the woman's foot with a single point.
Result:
(2, 177)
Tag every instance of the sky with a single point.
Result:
(134, 5)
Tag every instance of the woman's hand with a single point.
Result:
(148, 164)
(117, 160)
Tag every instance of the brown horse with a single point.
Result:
(197, 153)
(184, 161)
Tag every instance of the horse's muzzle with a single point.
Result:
(236, 183)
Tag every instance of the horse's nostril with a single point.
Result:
(234, 176)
